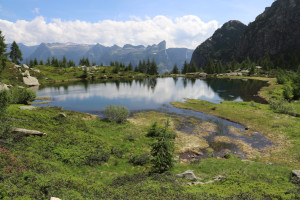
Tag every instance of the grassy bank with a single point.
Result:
(86, 158)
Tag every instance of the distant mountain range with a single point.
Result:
(165, 58)
(276, 32)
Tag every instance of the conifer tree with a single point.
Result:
(15, 53)
(175, 70)
(3, 57)
(185, 68)
(162, 149)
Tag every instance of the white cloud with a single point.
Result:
(36, 11)
(187, 31)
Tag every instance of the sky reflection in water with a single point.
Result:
(143, 94)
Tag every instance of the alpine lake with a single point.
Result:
(155, 94)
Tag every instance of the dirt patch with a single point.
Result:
(189, 143)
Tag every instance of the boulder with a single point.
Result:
(26, 73)
(28, 132)
(17, 66)
(3, 87)
(27, 108)
(189, 174)
(36, 70)
(62, 115)
(54, 198)
(295, 176)
(31, 81)
(25, 66)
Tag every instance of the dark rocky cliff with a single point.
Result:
(221, 46)
(276, 32)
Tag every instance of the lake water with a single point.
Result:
(147, 94)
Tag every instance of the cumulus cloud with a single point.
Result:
(187, 31)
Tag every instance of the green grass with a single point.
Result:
(57, 163)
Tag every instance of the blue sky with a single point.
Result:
(24, 16)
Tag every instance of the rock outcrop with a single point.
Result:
(3, 87)
(28, 132)
(221, 46)
(31, 81)
(189, 174)
(276, 32)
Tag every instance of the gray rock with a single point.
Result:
(295, 176)
(36, 70)
(54, 198)
(25, 66)
(28, 132)
(17, 66)
(189, 174)
(31, 81)
(3, 87)
(26, 73)
(27, 108)
(62, 115)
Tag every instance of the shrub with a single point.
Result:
(9, 164)
(140, 159)
(117, 152)
(282, 106)
(22, 95)
(281, 78)
(117, 114)
(4, 123)
(288, 91)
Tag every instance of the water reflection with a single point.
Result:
(145, 94)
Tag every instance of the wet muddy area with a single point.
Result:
(221, 137)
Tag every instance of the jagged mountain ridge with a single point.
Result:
(165, 58)
(275, 32)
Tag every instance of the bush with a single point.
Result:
(282, 106)
(22, 95)
(118, 153)
(4, 123)
(117, 114)
(140, 159)
(288, 91)
(281, 78)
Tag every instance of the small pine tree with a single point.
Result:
(48, 62)
(185, 68)
(175, 70)
(15, 53)
(162, 149)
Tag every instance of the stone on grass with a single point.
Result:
(28, 132)
(26, 73)
(25, 66)
(31, 81)
(27, 107)
(62, 115)
(3, 87)
(54, 198)
(295, 176)
(189, 174)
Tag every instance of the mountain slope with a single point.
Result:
(276, 32)
(221, 46)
